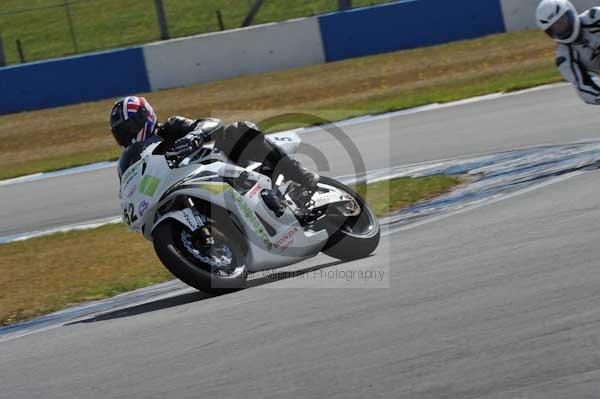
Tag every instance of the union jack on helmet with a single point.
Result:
(132, 120)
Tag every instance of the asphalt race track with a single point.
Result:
(498, 302)
(548, 116)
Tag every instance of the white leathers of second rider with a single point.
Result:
(578, 57)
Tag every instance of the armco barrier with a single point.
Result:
(520, 14)
(407, 24)
(72, 80)
(264, 48)
(218, 56)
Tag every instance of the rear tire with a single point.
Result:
(357, 237)
(172, 252)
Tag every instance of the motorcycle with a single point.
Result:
(213, 223)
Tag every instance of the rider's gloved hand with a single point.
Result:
(186, 145)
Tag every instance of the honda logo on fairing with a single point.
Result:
(285, 240)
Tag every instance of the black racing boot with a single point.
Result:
(307, 185)
(280, 162)
(297, 173)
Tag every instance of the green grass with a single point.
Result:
(46, 274)
(105, 24)
(54, 163)
(78, 134)
(443, 93)
(389, 196)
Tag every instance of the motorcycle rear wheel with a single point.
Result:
(356, 237)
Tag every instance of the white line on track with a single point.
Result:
(58, 173)
(62, 229)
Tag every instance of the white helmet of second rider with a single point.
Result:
(559, 19)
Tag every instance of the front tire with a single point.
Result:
(356, 237)
(202, 270)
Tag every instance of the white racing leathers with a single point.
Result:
(580, 61)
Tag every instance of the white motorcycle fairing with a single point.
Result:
(149, 185)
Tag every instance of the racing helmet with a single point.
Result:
(132, 120)
(559, 19)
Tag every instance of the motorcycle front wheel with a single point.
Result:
(217, 269)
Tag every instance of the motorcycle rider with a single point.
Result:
(578, 48)
(134, 125)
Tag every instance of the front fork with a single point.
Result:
(200, 230)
